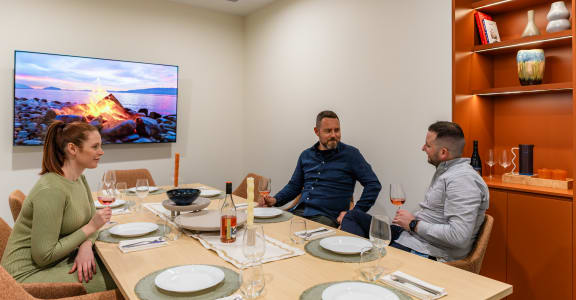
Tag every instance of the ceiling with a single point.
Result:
(239, 7)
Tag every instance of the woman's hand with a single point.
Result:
(100, 218)
(84, 263)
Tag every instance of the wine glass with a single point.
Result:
(397, 195)
(105, 196)
(371, 268)
(264, 187)
(504, 160)
(142, 190)
(109, 179)
(380, 233)
(490, 162)
(121, 190)
(252, 282)
(254, 244)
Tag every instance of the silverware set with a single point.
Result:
(142, 243)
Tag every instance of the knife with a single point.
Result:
(142, 243)
(420, 286)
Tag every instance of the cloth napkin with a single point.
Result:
(232, 252)
(232, 297)
(315, 233)
(120, 211)
(141, 244)
(409, 284)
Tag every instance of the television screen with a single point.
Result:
(129, 102)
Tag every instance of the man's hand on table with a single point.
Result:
(341, 217)
(266, 201)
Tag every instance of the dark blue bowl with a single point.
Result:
(183, 196)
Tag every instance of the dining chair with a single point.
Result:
(15, 200)
(11, 289)
(5, 231)
(130, 176)
(240, 190)
(473, 262)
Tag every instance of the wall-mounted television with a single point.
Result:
(129, 102)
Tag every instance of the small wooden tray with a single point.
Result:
(535, 181)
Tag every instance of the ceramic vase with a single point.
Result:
(530, 28)
(530, 66)
(558, 17)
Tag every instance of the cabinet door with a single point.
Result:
(494, 264)
(539, 246)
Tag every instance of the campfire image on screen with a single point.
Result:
(128, 102)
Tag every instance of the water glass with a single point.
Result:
(109, 179)
(380, 233)
(174, 232)
(121, 190)
(254, 243)
(371, 269)
(252, 282)
(298, 225)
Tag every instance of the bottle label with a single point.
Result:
(228, 228)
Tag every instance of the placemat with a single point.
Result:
(106, 236)
(315, 292)
(146, 288)
(313, 248)
(285, 216)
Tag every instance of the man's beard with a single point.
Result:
(433, 162)
(330, 144)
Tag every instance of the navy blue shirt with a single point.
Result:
(326, 180)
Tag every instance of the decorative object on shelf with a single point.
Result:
(526, 159)
(558, 17)
(530, 66)
(565, 184)
(530, 29)
(491, 31)
(480, 17)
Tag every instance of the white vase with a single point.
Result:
(531, 28)
(558, 25)
(558, 11)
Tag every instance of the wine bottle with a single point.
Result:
(228, 217)
(475, 159)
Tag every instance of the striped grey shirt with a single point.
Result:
(451, 213)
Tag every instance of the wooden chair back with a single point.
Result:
(15, 200)
(130, 176)
(473, 262)
(240, 190)
(5, 231)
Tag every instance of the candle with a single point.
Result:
(176, 168)
(250, 193)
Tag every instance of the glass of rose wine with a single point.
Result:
(105, 196)
(264, 187)
(397, 195)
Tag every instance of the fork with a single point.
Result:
(141, 243)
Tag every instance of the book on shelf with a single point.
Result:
(491, 31)
(480, 17)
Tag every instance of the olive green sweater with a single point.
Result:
(49, 227)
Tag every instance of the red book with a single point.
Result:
(480, 17)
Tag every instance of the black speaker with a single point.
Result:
(526, 159)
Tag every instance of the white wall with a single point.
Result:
(383, 65)
(207, 46)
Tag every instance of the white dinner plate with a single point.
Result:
(345, 244)
(118, 202)
(133, 229)
(266, 212)
(357, 291)
(209, 193)
(190, 278)
(151, 189)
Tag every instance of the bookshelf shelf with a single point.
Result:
(545, 40)
(503, 6)
(515, 90)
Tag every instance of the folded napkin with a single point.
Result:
(120, 211)
(414, 286)
(141, 244)
(315, 233)
(242, 206)
(232, 252)
(232, 297)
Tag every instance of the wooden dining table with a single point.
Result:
(287, 278)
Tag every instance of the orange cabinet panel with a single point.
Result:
(494, 264)
(539, 263)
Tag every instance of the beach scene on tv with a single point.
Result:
(128, 102)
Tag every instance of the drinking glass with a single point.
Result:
(142, 190)
(104, 195)
(504, 160)
(172, 231)
(109, 179)
(397, 195)
(264, 187)
(252, 282)
(490, 162)
(371, 269)
(254, 243)
(298, 226)
(121, 190)
(380, 233)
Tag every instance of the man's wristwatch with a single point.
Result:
(413, 225)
